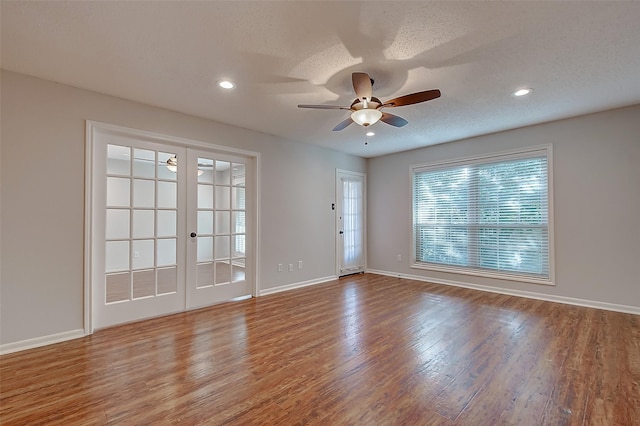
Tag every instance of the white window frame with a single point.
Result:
(487, 159)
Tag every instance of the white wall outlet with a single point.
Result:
(291, 267)
(279, 267)
(399, 258)
(299, 264)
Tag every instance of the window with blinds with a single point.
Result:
(485, 216)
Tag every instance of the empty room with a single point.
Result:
(319, 212)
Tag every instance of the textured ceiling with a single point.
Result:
(579, 57)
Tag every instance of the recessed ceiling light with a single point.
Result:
(370, 134)
(226, 84)
(521, 92)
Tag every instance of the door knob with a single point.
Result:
(341, 232)
(193, 235)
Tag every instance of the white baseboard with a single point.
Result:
(528, 294)
(297, 285)
(36, 342)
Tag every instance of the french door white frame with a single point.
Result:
(338, 225)
(92, 128)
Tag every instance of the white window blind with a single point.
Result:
(485, 216)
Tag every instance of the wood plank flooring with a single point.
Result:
(363, 350)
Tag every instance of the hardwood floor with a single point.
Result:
(363, 350)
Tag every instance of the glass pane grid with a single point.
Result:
(220, 222)
(141, 234)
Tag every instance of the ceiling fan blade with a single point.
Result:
(324, 107)
(362, 85)
(394, 120)
(343, 124)
(413, 98)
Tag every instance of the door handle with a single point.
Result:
(193, 235)
(341, 232)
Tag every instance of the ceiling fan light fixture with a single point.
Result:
(172, 164)
(366, 116)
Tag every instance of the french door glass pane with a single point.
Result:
(116, 256)
(239, 246)
(144, 163)
(205, 170)
(167, 280)
(167, 195)
(143, 254)
(223, 198)
(238, 197)
(167, 223)
(205, 197)
(117, 287)
(143, 224)
(164, 172)
(238, 174)
(143, 193)
(238, 273)
(205, 274)
(223, 222)
(118, 160)
(238, 222)
(144, 283)
(223, 272)
(117, 224)
(205, 222)
(167, 251)
(223, 173)
(222, 247)
(118, 192)
(205, 249)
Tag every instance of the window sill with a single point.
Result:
(484, 273)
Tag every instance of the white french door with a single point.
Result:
(170, 228)
(217, 227)
(350, 222)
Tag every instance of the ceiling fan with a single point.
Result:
(366, 109)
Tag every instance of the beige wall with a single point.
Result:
(42, 216)
(596, 173)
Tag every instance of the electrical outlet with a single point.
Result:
(291, 267)
(399, 258)
(299, 264)
(279, 267)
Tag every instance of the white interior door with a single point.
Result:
(171, 228)
(137, 270)
(350, 222)
(218, 227)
